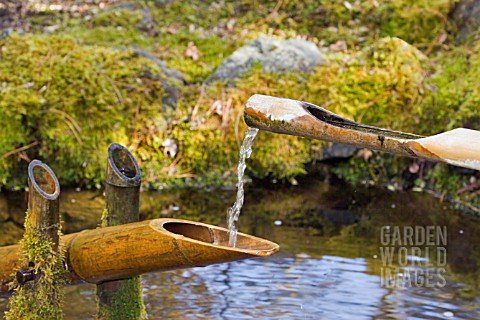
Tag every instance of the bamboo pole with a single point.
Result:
(457, 147)
(129, 250)
(121, 299)
(43, 200)
(39, 261)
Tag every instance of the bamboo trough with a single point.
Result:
(457, 147)
(128, 250)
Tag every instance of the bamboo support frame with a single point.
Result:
(128, 250)
(457, 147)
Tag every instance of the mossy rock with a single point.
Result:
(274, 56)
(384, 82)
(67, 102)
(380, 85)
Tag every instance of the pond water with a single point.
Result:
(330, 265)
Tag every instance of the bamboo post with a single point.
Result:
(38, 291)
(43, 200)
(121, 299)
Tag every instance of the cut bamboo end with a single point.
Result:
(456, 147)
(122, 168)
(163, 244)
(215, 237)
(43, 180)
(43, 199)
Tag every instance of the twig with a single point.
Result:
(453, 200)
(28, 146)
(135, 121)
(371, 103)
(199, 102)
(117, 92)
(226, 111)
(71, 123)
(470, 187)
(237, 123)
(66, 115)
(271, 14)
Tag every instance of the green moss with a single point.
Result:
(104, 217)
(457, 97)
(70, 101)
(120, 299)
(378, 86)
(43, 298)
(218, 127)
(382, 82)
(124, 306)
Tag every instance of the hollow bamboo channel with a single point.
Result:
(128, 250)
(459, 147)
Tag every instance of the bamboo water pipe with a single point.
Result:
(459, 147)
(132, 249)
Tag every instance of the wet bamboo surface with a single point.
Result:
(458, 147)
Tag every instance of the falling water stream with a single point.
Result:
(234, 211)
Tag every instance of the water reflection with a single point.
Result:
(329, 266)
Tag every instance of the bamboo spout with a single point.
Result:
(128, 250)
(459, 147)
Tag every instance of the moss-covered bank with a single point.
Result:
(68, 91)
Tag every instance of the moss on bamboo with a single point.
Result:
(121, 305)
(43, 297)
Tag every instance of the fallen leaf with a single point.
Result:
(192, 51)
(413, 168)
(338, 46)
(365, 154)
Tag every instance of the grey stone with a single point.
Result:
(273, 55)
(338, 151)
(171, 87)
(169, 72)
(159, 3)
(466, 15)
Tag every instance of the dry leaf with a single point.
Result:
(365, 154)
(192, 51)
